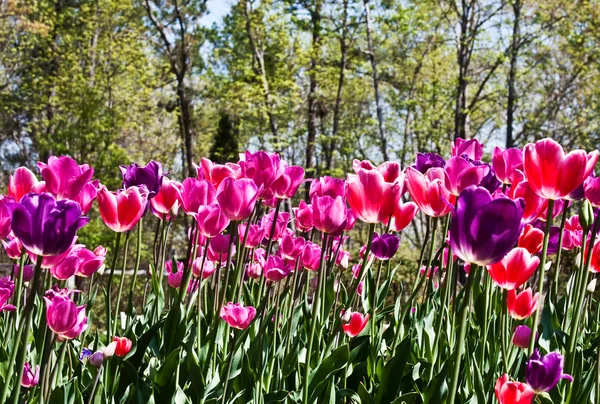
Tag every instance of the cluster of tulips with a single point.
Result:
(261, 306)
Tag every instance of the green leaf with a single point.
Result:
(330, 365)
(389, 380)
(167, 370)
(365, 397)
(276, 397)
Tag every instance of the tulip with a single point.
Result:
(96, 359)
(311, 256)
(7, 287)
(262, 168)
(304, 216)
(218, 255)
(237, 198)
(327, 186)
(85, 198)
(385, 246)
(13, 247)
(45, 226)
(329, 215)
(85, 354)
(109, 350)
(220, 244)
(216, 173)
(531, 239)
(21, 183)
(175, 275)
(592, 192)
(534, 205)
(505, 162)
(122, 210)
(66, 268)
(194, 193)
(28, 272)
(573, 233)
(254, 270)
(283, 219)
(63, 316)
(551, 173)
(166, 201)
(342, 259)
(291, 247)
(123, 346)
(425, 161)
(470, 148)
(514, 269)
(90, 261)
(211, 220)
(543, 373)
(359, 289)
(489, 181)
(521, 336)
(30, 377)
(462, 174)
(150, 176)
(237, 315)
(6, 209)
(429, 191)
(203, 272)
(552, 236)
(64, 178)
(354, 322)
(404, 213)
(508, 392)
(288, 182)
(275, 268)
(483, 229)
(522, 305)
(371, 197)
(595, 258)
(259, 256)
(556, 210)
(256, 234)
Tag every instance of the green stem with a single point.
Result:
(138, 258)
(187, 271)
(275, 331)
(230, 362)
(109, 288)
(462, 332)
(559, 253)
(503, 327)
(121, 282)
(199, 297)
(19, 287)
(541, 273)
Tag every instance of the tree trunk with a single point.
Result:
(460, 112)
(186, 122)
(382, 138)
(512, 73)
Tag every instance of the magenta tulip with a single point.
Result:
(63, 177)
(327, 186)
(291, 247)
(237, 315)
(329, 215)
(288, 182)
(12, 247)
(21, 183)
(471, 148)
(505, 162)
(275, 268)
(7, 287)
(283, 219)
(237, 198)
(304, 217)
(64, 318)
(462, 174)
(256, 234)
(194, 193)
(311, 256)
(6, 211)
(31, 377)
(211, 220)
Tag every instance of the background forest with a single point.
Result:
(322, 82)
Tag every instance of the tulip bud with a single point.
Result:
(96, 359)
(586, 215)
(109, 350)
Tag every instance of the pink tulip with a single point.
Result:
(283, 219)
(291, 247)
(5, 215)
(534, 205)
(28, 272)
(237, 315)
(404, 213)
(354, 322)
(194, 193)
(216, 173)
(175, 275)
(12, 247)
(237, 198)
(359, 289)
(327, 186)
(63, 177)
(218, 255)
(219, 244)
(342, 259)
(371, 197)
(51, 261)
(592, 192)
(254, 270)
(21, 183)
(350, 220)
(7, 287)
(304, 217)
(311, 256)
(573, 233)
(122, 210)
(531, 239)
(514, 269)
(203, 272)
(211, 220)
(288, 183)
(256, 234)
(551, 173)
(90, 261)
(463, 174)
(471, 148)
(66, 268)
(259, 256)
(262, 168)
(329, 215)
(30, 377)
(275, 268)
(429, 191)
(166, 201)
(87, 195)
(505, 162)
(522, 305)
(63, 316)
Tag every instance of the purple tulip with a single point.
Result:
(85, 354)
(151, 176)
(425, 161)
(45, 226)
(489, 181)
(385, 246)
(521, 336)
(543, 373)
(552, 236)
(483, 229)
(96, 359)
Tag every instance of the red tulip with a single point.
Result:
(404, 213)
(354, 323)
(551, 173)
(123, 346)
(123, 209)
(21, 183)
(371, 197)
(429, 191)
(531, 239)
(508, 392)
(514, 269)
(522, 305)
(534, 204)
(166, 201)
(595, 258)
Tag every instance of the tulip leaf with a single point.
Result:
(167, 370)
(343, 393)
(407, 398)
(389, 379)
(365, 396)
(319, 378)
(436, 391)
(276, 397)
(547, 329)
(382, 293)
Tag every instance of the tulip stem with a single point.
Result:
(121, 282)
(19, 287)
(462, 332)
(138, 258)
(503, 327)
(229, 364)
(563, 220)
(239, 264)
(199, 319)
(109, 288)
(25, 326)
(96, 379)
(187, 271)
(275, 329)
(541, 273)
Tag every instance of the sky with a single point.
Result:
(217, 9)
